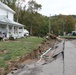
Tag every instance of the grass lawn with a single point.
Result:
(13, 49)
(68, 37)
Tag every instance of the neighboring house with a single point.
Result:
(7, 24)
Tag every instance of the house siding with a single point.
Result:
(10, 15)
(3, 12)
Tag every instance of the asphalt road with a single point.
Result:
(57, 66)
(70, 58)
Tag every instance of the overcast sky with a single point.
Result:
(57, 7)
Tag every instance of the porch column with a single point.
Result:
(7, 31)
(18, 32)
(12, 31)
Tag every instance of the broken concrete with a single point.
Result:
(54, 66)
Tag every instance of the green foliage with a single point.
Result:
(33, 6)
(61, 24)
(68, 37)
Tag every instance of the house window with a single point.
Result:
(20, 27)
(19, 32)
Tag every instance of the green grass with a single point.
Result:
(2, 63)
(14, 49)
(68, 37)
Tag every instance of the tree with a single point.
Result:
(8, 2)
(70, 24)
(33, 7)
(62, 23)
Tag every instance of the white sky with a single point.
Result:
(55, 7)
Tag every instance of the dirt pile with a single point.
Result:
(1, 71)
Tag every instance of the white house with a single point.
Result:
(7, 24)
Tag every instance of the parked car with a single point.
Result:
(74, 33)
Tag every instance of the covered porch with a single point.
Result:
(11, 28)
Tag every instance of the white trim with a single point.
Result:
(7, 31)
(5, 7)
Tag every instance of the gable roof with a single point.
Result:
(5, 20)
(5, 7)
(17, 24)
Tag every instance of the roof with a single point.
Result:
(16, 23)
(5, 20)
(4, 6)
